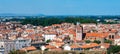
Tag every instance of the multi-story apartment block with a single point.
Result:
(6, 46)
(21, 43)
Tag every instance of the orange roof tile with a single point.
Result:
(29, 30)
(113, 31)
(56, 49)
(56, 25)
(50, 46)
(117, 37)
(106, 45)
(59, 44)
(97, 34)
(29, 48)
(89, 45)
(75, 46)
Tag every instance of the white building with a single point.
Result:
(49, 36)
(67, 48)
(117, 40)
(6, 46)
(21, 43)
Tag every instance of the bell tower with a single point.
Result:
(79, 31)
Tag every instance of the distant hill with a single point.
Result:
(11, 14)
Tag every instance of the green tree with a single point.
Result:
(108, 41)
(48, 41)
(49, 21)
(87, 41)
(97, 41)
(114, 49)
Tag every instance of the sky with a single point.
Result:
(61, 7)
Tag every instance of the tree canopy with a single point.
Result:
(108, 41)
(114, 49)
(87, 41)
(50, 21)
(97, 41)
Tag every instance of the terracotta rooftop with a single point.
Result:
(75, 46)
(50, 46)
(106, 45)
(97, 34)
(30, 48)
(90, 45)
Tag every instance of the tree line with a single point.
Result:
(50, 21)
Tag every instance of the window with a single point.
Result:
(1, 46)
(112, 36)
(109, 36)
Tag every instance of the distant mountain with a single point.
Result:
(11, 14)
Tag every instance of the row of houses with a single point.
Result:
(65, 36)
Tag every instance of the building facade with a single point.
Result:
(6, 46)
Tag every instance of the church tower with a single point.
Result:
(79, 31)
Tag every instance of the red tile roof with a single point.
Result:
(75, 46)
(50, 46)
(106, 45)
(30, 48)
(97, 34)
(90, 45)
